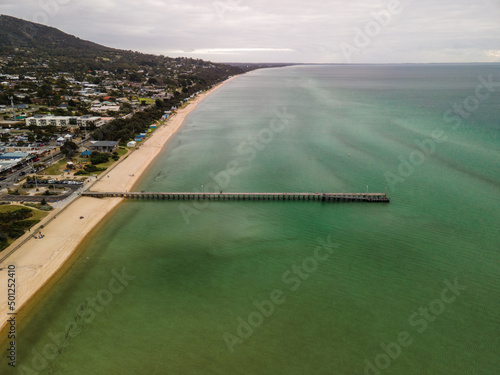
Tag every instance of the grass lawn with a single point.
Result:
(147, 100)
(57, 168)
(37, 214)
(111, 161)
(122, 151)
(9, 207)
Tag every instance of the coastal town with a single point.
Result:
(37, 122)
(59, 129)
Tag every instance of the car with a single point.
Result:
(22, 173)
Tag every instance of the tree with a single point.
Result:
(135, 77)
(61, 82)
(99, 158)
(44, 91)
(69, 149)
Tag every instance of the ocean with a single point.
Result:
(409, 287)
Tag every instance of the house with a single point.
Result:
(103, 146)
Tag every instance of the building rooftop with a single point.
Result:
(104, 144)
(14, 155)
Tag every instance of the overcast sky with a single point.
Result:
(314, 31)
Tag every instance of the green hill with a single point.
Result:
(36, 48)
(16, 33)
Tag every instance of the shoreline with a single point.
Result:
(38, 261)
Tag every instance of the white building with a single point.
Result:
(58, 121)
(85, 120)
(105, 108)
(64, 121)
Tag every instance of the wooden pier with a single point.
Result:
(319, 197)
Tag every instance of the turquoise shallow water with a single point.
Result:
(346, 279)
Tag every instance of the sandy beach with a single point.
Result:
(38, 260)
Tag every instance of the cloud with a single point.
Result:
(215, 51)
(291, 30)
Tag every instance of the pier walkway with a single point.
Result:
(321, 197)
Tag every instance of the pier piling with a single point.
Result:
(323, 197)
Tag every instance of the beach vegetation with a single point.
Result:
(42, 206)
(15, 215)
(90, 168)
(3, 240)
(15, 220)
(99, 158)
(17, 229)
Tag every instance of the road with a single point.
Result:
(39, 198)
(9, 181)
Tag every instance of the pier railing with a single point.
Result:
(321, 197)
